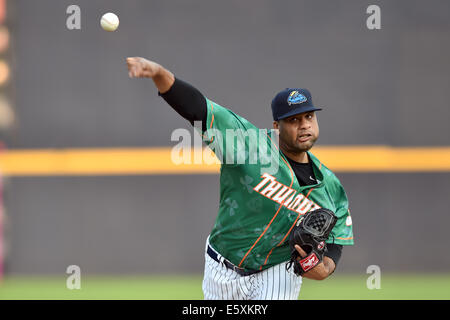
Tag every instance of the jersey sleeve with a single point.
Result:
(227, 134)
(342, 232)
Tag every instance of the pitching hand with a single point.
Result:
(142, 68)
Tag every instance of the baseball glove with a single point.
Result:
(310, 233)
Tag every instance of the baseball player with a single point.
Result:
(247, 251)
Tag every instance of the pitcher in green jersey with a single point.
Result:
(268, 179)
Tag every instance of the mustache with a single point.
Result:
(305, 133)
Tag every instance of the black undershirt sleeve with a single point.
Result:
(334, 252)
(187, 101)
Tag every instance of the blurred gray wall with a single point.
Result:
(388, 87)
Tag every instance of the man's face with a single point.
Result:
(299, 132)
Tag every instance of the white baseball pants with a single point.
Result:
(275, 283)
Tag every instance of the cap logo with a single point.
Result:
(296, 97)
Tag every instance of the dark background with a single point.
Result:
(71, 89)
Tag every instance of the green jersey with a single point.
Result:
(260, 197)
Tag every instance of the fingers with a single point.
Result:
(300, 251)
(130, 65)
(132, 72)
(141, 68)
(134, 67)
(132, 60)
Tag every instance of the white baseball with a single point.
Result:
(109, 21)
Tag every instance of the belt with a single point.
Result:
(216, 257)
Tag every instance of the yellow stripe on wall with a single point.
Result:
(96, 162)
(135, 161)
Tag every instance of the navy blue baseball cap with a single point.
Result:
(290, 102)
